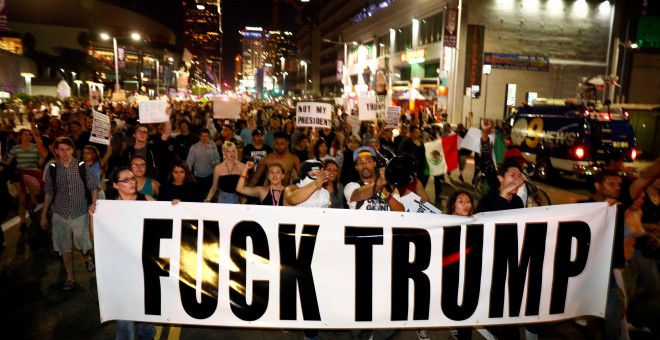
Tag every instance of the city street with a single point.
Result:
(34, 307)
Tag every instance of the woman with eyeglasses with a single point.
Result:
(181, 185)
(226, 176)
(145, 184)
(124, 188)
(268, 194)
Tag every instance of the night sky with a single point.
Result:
(236, 14)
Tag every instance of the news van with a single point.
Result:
(570, 138)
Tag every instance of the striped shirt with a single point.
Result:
(69, 199)
(25, 159)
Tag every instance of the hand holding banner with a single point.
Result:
(153, 111)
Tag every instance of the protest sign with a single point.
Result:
(153, 111)
(100, 129)
(314, 114)
(224, 108)
(367, 107)
(287, 267)
(412, 203)
(393, 116)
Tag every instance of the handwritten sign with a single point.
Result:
(367, 107)
(392, 118)
(314, 114)
(226, 108)
(153, 111)
(100, 129)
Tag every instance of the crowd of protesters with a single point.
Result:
(263, 158)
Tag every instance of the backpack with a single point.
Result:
(83, 176)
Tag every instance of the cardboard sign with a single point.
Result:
(100, 129)
(367, 108)
(393, 116)
(314, 114)
(153, 111)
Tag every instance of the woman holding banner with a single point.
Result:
(268, 194)
(124, 187)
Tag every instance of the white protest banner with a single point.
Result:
(100, 129)
(393, 116)
(413, 203)
(314, 114)
(367, 107)
(153, 111)
(224, 108)
(286, 267)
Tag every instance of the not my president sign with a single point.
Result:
(314, 114)
(287, 267)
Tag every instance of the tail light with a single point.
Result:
(605, 116)
(579, 152)
(633, 154)
(626, 114)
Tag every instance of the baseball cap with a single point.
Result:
(257, 132)
(363, 150)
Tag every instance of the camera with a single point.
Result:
(399, 169)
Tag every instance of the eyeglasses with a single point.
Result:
(141, 131)
(139, 165)
(127, 180)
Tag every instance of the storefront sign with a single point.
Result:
(414, 56)
(474, 55)
(451, 25)
(517, 61)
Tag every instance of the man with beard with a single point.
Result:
(371, 192)
(280, 155)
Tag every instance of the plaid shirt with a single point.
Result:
(69, 201)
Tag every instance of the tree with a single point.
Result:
(83, 40)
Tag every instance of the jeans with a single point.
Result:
(227, 197)
(612, 323)
(130, 330)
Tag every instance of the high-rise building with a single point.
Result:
(262, 55)
(254, 56)
(202, 37)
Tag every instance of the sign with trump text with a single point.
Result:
(287, 267)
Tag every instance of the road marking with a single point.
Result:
(175, 332)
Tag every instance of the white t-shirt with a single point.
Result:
(319, 199)
(374, 203)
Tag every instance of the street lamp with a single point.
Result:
(78, 82)
(28, 81)
(354, 43)
(105, 36)
(486, 70)
(304, 64)
(615, 61)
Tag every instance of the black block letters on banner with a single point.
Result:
(364, 240)
(564, 267)
(238, 253)
(297, 271)
(403, 270)
(153, 265)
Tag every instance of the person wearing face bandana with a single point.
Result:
(309, 192)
